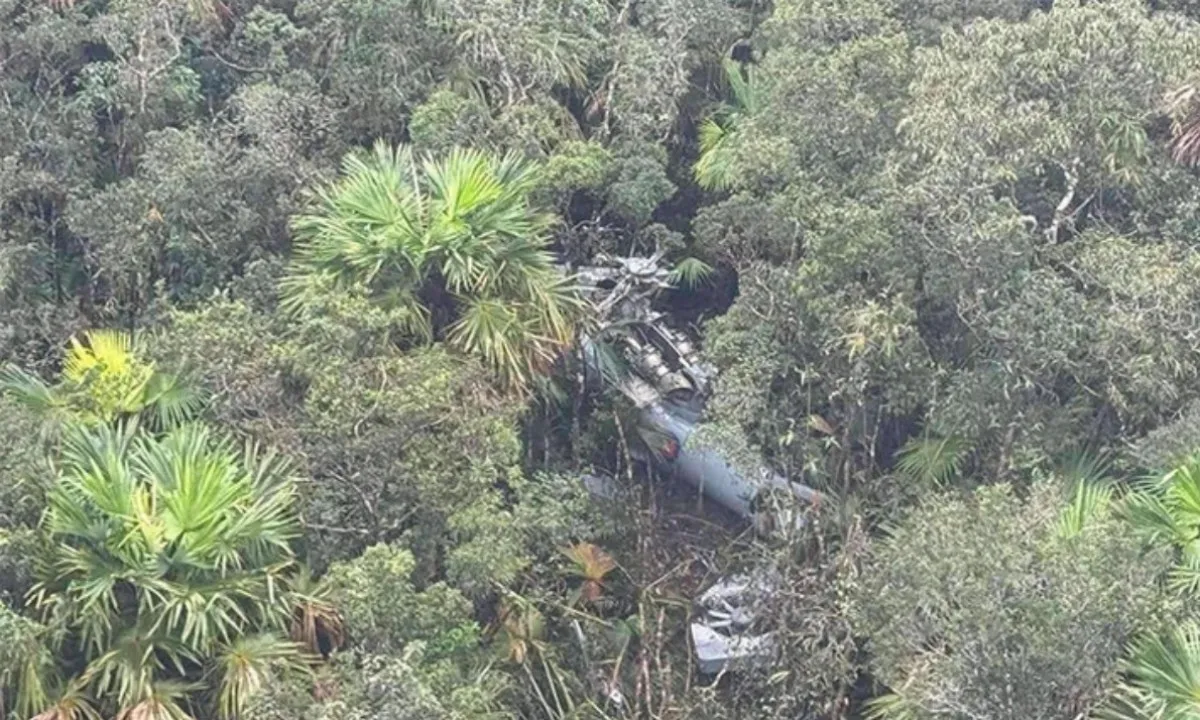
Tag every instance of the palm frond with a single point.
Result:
(172, 400)
(714, 169)
(891, 706)
(691, 272)
(744, 83)
(1090, 500)
(394, 224)
(1166, 509)
(163, 701)
(1184, 578)
(104, 378)
(245, 666)
(591, 564)
(72, 704)
(31, 392)
(1152, 519)
(602, 357)
(932, 460)
(1164, 678)
(316, 625)
(197, 531)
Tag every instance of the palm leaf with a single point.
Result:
(172, 400)
(316, 624)
(30, 391)
(932, 460)
(72, 704)
(1090, 501)
(393, 224)
(247, 665)
(715, 168)
(163, 701)
(1164, 678)
(199, 531)
(691, 272)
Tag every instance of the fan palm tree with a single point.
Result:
(168, 568)
(714, 168)
(1166, 511)
(1163, 679)
(449, 246)
(104, 378)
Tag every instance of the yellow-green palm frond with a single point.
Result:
(246, 665)
(105, 351)
(105, 377)
(108, 368)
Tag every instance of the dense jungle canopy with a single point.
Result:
(292, 417)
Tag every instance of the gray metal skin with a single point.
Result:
(722, 635)
(669, 386)
(668, 383)
(710, 473)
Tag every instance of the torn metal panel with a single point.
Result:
(716, 653)
(723, 635)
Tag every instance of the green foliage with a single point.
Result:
(980, 605)
(411, 446)
(991, 211)
(1164, 678)
(25, 662)
(576, 166)
(931, 461)
(103, 381)
(1089, 503)
(405, 229)
(166, 555)
(691, 272)
(431, 633)
(959, 240)
(378, 686)
(639, 182)
(1165, 511)
(714, 168)
(384, 613)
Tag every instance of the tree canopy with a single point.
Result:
(297, 311)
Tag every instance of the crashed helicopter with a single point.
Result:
(660, 373)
